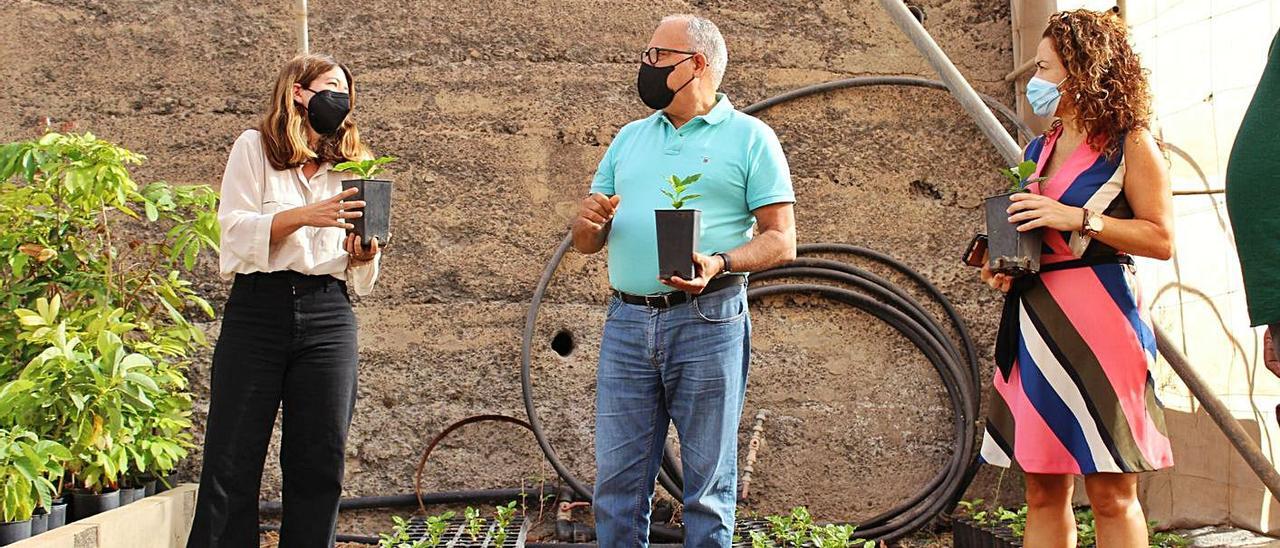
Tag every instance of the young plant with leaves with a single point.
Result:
(107, 256)
(1019, 176)
(678, 188)
(365, 169)
(475, 522)
(82, 388)
(436, 527)
(26, 465)
(502, 518)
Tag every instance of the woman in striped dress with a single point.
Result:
(1073, 393)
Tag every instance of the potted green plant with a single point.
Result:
(62, 197)
(84, 392)
(503, 516)
(26, 462)
(678, 230)
(1008, 250)
(376, 194)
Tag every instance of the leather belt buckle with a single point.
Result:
(658, 301)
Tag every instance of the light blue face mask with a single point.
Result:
(1043, 96)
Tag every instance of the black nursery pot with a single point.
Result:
(58, 514)
(130, 495)
(376, 221)
(85, 504)
(1009, 251)
(148, 486)
(39, 521)
(14, 531)
(677, 240)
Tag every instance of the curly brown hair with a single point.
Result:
(1105, 83)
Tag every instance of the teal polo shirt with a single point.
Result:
(742, 167)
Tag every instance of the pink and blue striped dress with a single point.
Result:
(1077, 395)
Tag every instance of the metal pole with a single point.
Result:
(1220, 414)
(303, 40)
(959, 87)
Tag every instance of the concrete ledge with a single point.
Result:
(158, 521)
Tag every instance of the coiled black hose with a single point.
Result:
(885, 301)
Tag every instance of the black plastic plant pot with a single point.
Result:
(166, 483)
(130, 495)
(148, 487)
(376, 221)
(677, 240)
(14, 531)
(85, 504)
(58, 514)
(39, 521)
(1009, 251)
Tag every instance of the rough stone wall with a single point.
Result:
(499, 112)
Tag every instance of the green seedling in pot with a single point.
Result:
(678, 188)
(1019, 176)
(503, 519)
(365, 169)
(436, 526)
(474, 523)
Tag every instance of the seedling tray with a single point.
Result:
(456, 536)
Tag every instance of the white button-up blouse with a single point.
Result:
(253, 192)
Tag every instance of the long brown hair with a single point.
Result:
(1105, 81)
(283, 135)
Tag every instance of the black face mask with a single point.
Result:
(327, 109)
(652, 85)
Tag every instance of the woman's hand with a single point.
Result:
(1044, 212)
(330, 212)
(358, 254)
(996, 281)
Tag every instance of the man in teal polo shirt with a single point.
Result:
(677, 350)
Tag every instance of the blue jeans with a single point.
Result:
(688, 365)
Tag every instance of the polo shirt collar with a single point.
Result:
(718, 113)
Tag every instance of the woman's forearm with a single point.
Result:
(283, 224)
(1136, 237)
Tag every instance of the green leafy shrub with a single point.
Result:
(94, 330)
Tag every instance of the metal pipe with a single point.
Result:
(304, 40)
(1220, 414)
(753, 448)
(959, 87)
(1022, 69)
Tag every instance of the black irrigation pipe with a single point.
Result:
(872, 81)
(274, 507)
(882, 299)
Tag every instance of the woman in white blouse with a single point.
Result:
(288, 333)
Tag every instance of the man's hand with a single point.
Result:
(594, 214)
(706, 267)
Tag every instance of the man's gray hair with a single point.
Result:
(705, 38)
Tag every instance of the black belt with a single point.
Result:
(295, 282)
(676, 298)
(1010, 323)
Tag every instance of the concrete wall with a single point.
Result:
(499, 112)
(159, 521)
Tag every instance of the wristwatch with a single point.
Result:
(1092, 223)
(727, 266)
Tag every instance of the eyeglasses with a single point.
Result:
(655, 54)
